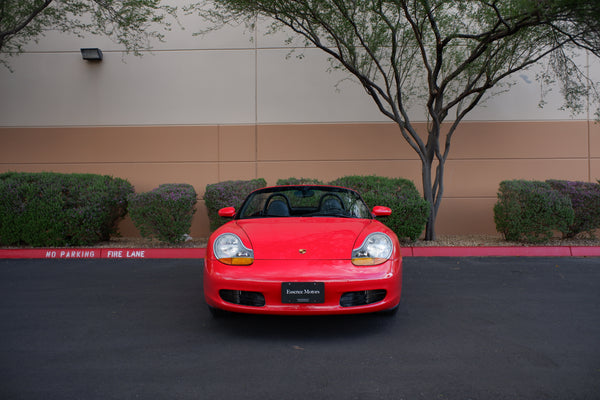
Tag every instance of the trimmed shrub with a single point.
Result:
(530, 211)
(301, 181)
(585, 200)
(227, 194)
(409, 210)
(53, 209)
(164, 213)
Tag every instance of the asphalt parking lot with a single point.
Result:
(467, 328)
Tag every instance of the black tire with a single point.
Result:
(217, 312)
(391, 312)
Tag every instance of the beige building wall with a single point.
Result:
(223, 106)
(485, 154)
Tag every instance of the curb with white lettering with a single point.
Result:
(105, 253)
(503, 251)
(156, 253)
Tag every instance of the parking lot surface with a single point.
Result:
(467, 328)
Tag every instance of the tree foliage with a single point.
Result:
(445, 55)
(132, 23)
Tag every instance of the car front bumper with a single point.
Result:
(348, 289)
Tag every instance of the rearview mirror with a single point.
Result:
(227, 212)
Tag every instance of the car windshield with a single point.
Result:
(304, 201)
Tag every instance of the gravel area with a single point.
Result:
(442, 240)
(138, 242)
(498, 240)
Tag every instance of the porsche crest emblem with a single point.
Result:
(302, 251)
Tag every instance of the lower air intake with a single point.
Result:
(361, 298)
(243, 298)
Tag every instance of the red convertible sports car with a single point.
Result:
(304, 250)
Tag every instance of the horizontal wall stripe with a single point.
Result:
(204, 154)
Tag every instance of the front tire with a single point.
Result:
(217, 312)
(390, 312)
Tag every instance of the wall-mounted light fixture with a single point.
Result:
(91, 54)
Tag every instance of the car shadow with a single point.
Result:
(326, 327)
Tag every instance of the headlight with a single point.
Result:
(376, 249)
(229, 249)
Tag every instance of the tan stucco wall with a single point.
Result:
(483, 154)
(237, 103)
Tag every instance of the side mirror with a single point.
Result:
(227, 212)
(380, 211)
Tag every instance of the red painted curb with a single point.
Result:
(495, 251)
(104, 253)
(157, 253)
(583, 251)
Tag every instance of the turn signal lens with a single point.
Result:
(237, 261)
(368, 261)
(229, 249)
(376, 249)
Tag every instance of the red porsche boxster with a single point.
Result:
(305, 250)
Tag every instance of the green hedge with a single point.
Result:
(530, 211)
(409, 210)
(585, 200)
(228, 194)
(164, 213)
(300, 181)
(53, 209)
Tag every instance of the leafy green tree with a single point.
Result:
(132, 23)
(448, 55)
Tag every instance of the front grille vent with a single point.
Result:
(242, 297)
(361, 298)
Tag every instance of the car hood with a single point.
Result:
(303, 238)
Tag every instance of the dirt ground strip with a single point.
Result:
(442, 241)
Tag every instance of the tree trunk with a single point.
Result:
(429, 196)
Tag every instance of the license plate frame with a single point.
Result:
(303, 292)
